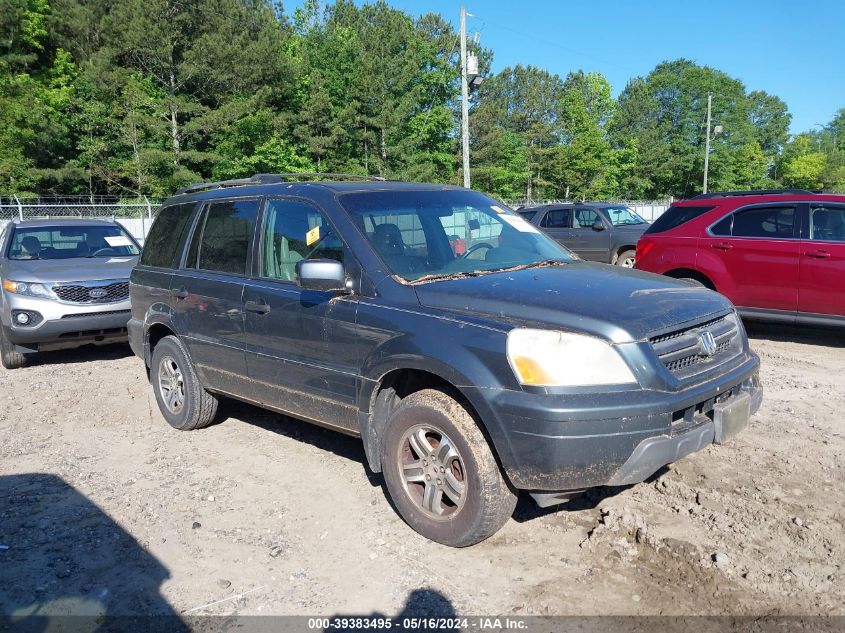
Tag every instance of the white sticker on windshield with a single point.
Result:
(118, 240)
(119, 260)
(519, 223)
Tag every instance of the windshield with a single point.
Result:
(623, 216)
(71, 242)
(423, 235)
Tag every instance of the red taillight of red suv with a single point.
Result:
(643, 248)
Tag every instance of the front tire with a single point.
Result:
(182, 400)
(9, 357)
(440, 471)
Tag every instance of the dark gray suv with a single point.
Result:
(596, 231)
(473, 356)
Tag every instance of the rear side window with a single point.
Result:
(675, 216)
(767, 222)
(165, 236)
(558, 219)
(226, 235)
(585, 218)
(528, 215)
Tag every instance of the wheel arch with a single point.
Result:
(399, 382)
(155, 333)
(621, 249)
(689, 273)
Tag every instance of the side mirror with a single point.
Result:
(598, 226)
(321, 274)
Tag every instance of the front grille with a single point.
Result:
(90, 293)
(682, 353)
(115, 331)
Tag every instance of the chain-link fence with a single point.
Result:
(136, 215)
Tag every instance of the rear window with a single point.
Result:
(675, 216)
(165, 236)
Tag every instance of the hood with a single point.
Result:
(616, 303)
(64, 270)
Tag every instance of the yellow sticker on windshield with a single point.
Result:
(312, 236)
(497, 209)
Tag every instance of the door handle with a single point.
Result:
(181, 293)
(257, 307)
(722, 246)
(818, 254)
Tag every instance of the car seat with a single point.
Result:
(31, 246)
(286, 259)
(387, 239)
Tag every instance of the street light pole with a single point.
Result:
(464, 98)
(707, 142)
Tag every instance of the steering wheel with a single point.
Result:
(474, 248)
(102, 252)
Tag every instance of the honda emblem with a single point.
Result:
(706, 344)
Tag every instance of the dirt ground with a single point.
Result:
(105, 509)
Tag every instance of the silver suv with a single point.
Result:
(65, 283)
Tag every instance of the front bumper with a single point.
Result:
(64, 325)
(549, 444)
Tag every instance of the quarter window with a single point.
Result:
(294, 231)
(165, 236)
(827, 223)
(768, 222)
(226, 236)
(558, 219)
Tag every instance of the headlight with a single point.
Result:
(561, 359)
(27, 289)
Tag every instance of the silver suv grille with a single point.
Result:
(93, 293)
(697, 348)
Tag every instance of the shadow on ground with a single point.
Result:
(66, 565)
(421, 606)
(805, 334)
(79, 355)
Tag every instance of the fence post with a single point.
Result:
(20, 207)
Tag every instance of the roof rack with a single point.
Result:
(266, 179)
(758, 192)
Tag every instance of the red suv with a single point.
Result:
(776, 254)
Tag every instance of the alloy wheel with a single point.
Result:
(432, 471)
(171, 385)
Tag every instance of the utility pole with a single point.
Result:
(707, 142)
(464, 98)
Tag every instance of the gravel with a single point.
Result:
(114, 512)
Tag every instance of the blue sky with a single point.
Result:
(792, 49)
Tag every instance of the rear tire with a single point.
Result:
(182, 400)
(627, 258)
(9, 357)
(440, 472)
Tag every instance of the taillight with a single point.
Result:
(643, 248)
